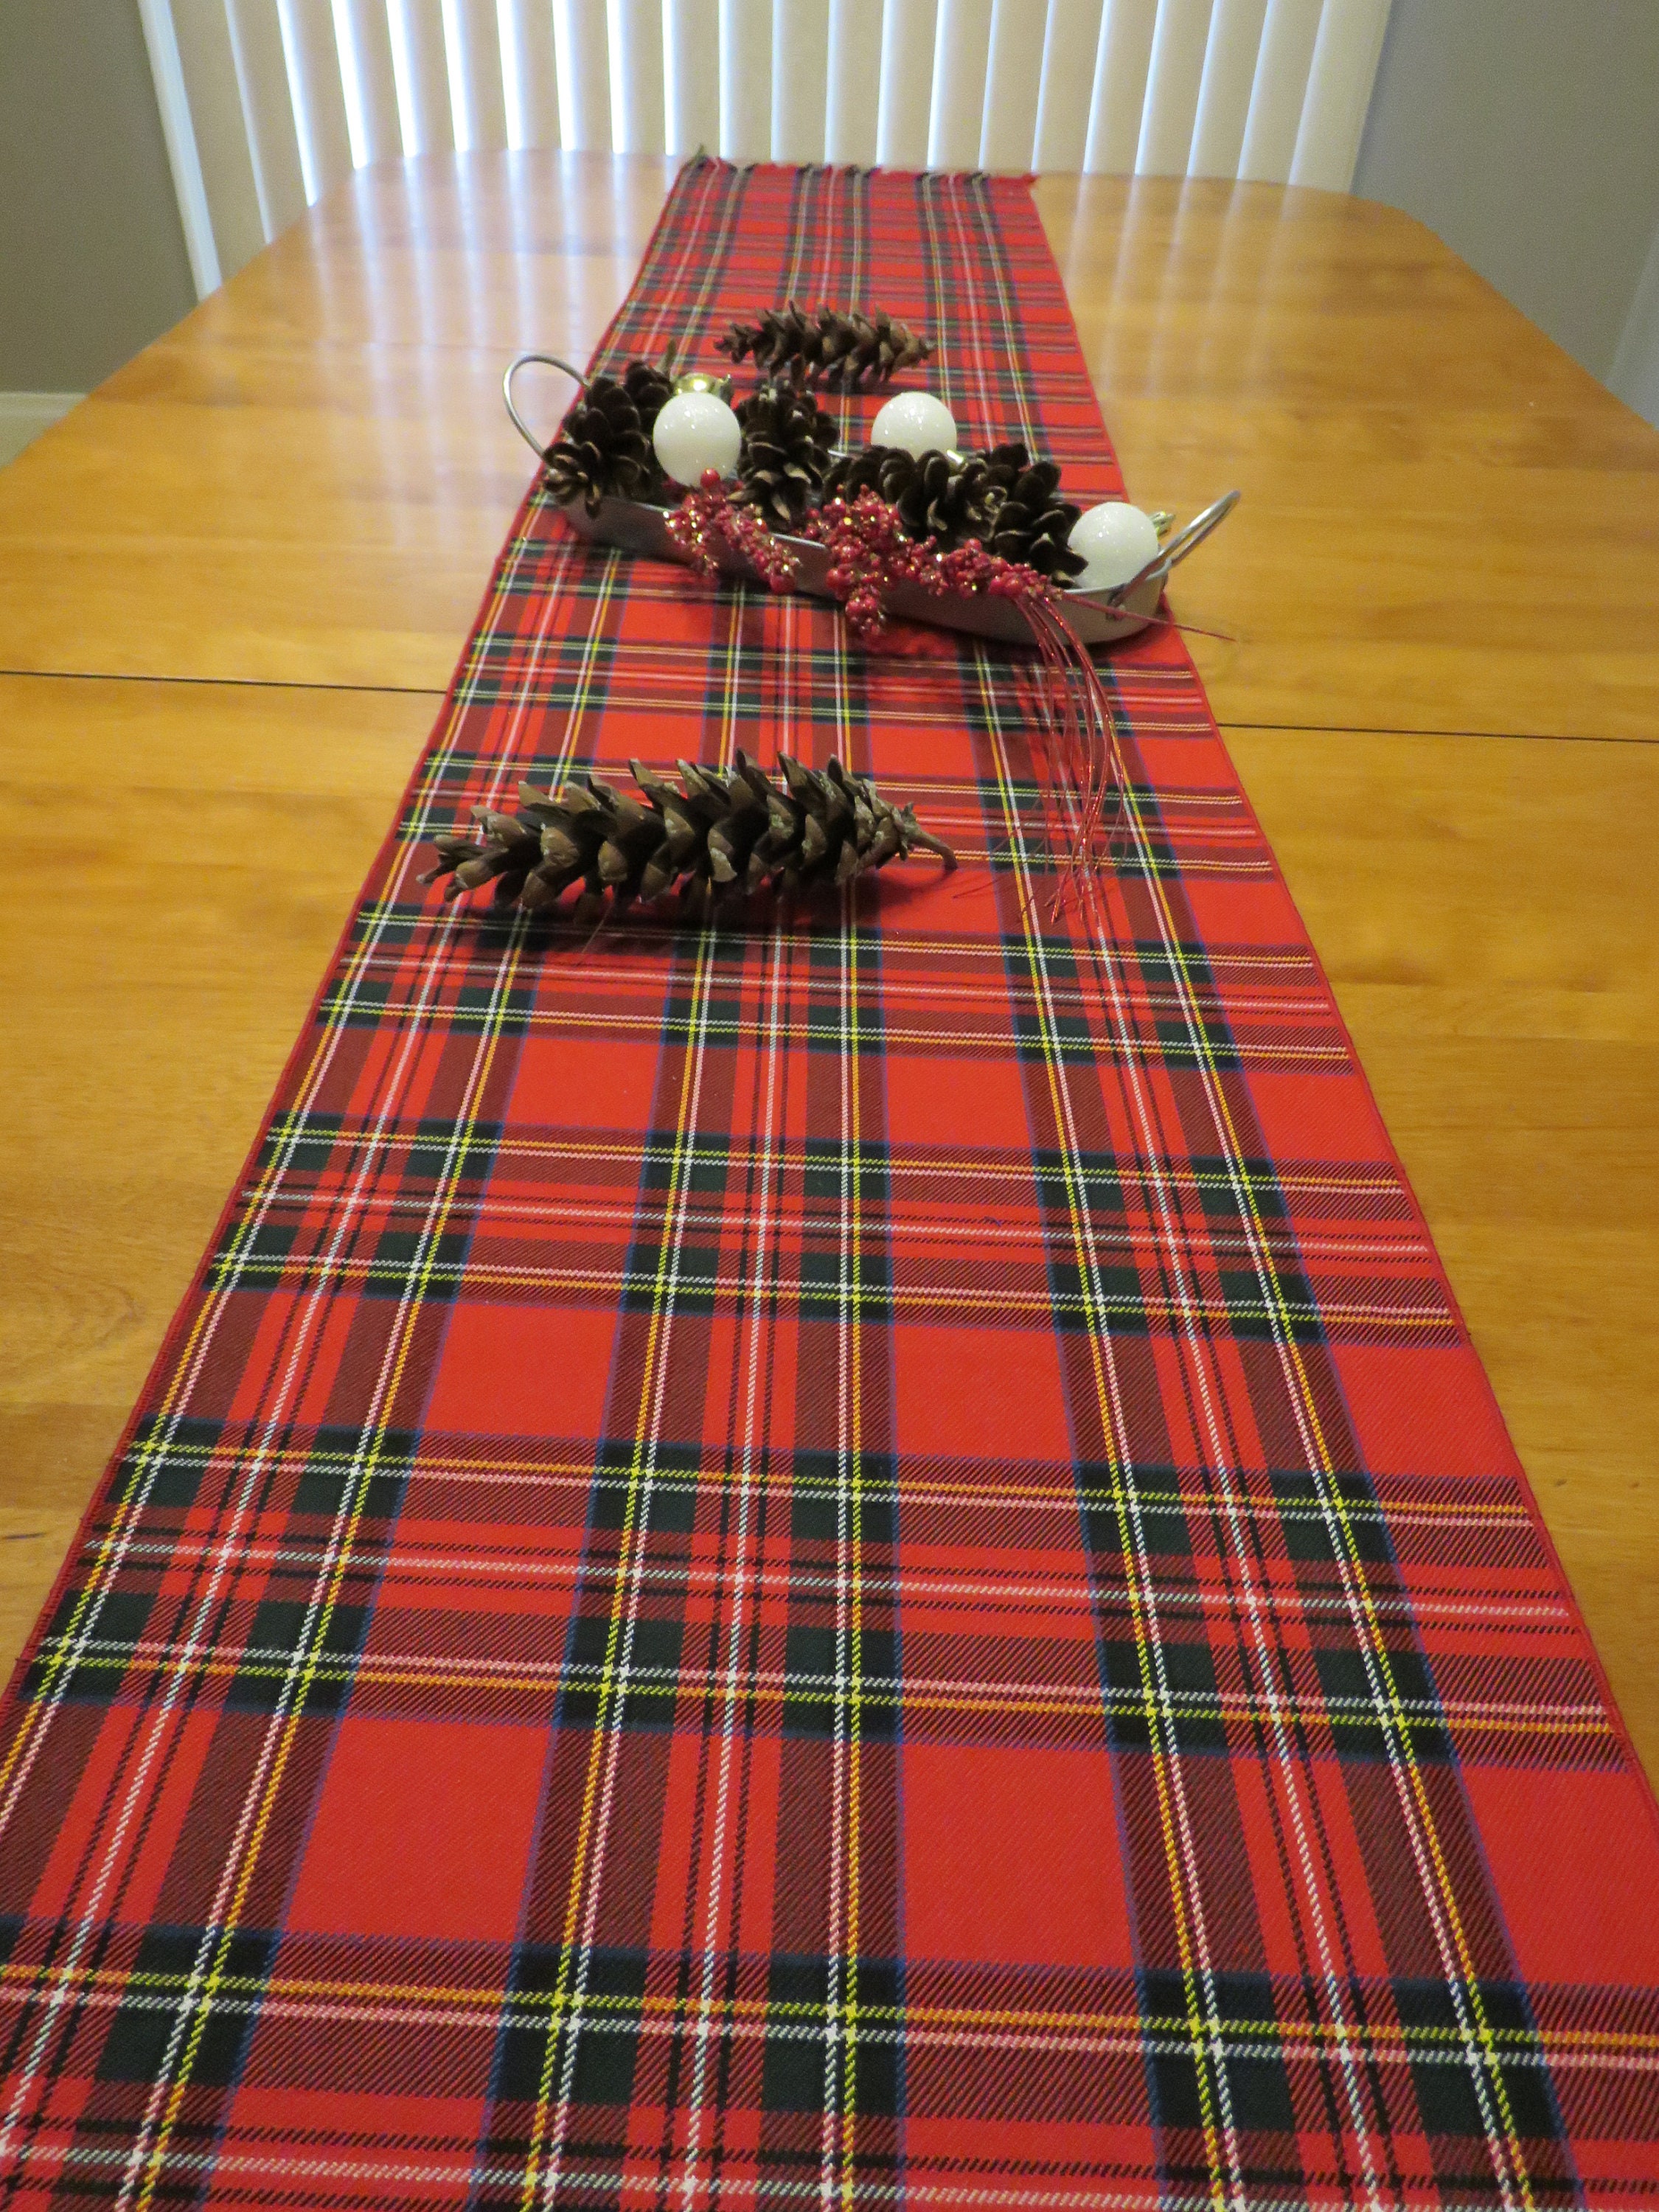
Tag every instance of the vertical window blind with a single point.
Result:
(267, 104)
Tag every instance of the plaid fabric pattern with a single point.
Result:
(855, 1559)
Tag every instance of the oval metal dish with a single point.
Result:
(1098, 617)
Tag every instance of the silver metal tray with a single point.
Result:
(1098, 617)
(639, 528)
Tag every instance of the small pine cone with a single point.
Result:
(1033, 523)
(849, 348)
(786, 453)
(1005, 465)
(603, 446)
(949, 499)
(719, 833)
(886, 470)
(649, 388)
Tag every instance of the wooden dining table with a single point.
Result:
(234, 583)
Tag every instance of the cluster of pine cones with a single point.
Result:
(719, 833)
(1003, 500)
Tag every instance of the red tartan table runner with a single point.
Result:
(854, 1559)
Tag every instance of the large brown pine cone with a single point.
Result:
(1031, 523)
(948, 499)
(603, 445)
(718, 834)
(783, 339)
(786, 453)
(849, 348)
(886, 470)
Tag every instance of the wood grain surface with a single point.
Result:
(233, 582)
(1447, 524)
(151, 999)
(1485, 908)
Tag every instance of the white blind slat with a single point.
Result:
(1339, 80)
(473, 47)
(225, 157)
(168, 74)
(800, 78)
(961, 49)
(854, 100)
(267, 109)
(422, 72)
(317, 92)
(529, 68)
(1014, 78)
(1281, 81)
(1174, 72)
(1120, 86)
(636, 77)
(691, 66)
(363, 31)
(1071, 42)
(582, 38)
(907, 40)
(1224, 97)
(745, 80)
(267, 104)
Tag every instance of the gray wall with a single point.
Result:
(1525, 134)
(93, 263)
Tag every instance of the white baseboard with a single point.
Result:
(25, 414)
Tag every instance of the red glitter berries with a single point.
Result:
(871, 553)
(708, 520)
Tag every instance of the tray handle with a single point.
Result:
(523, 360)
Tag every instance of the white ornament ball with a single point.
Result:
(697, 431)
(916, 424)
(1116, 540)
